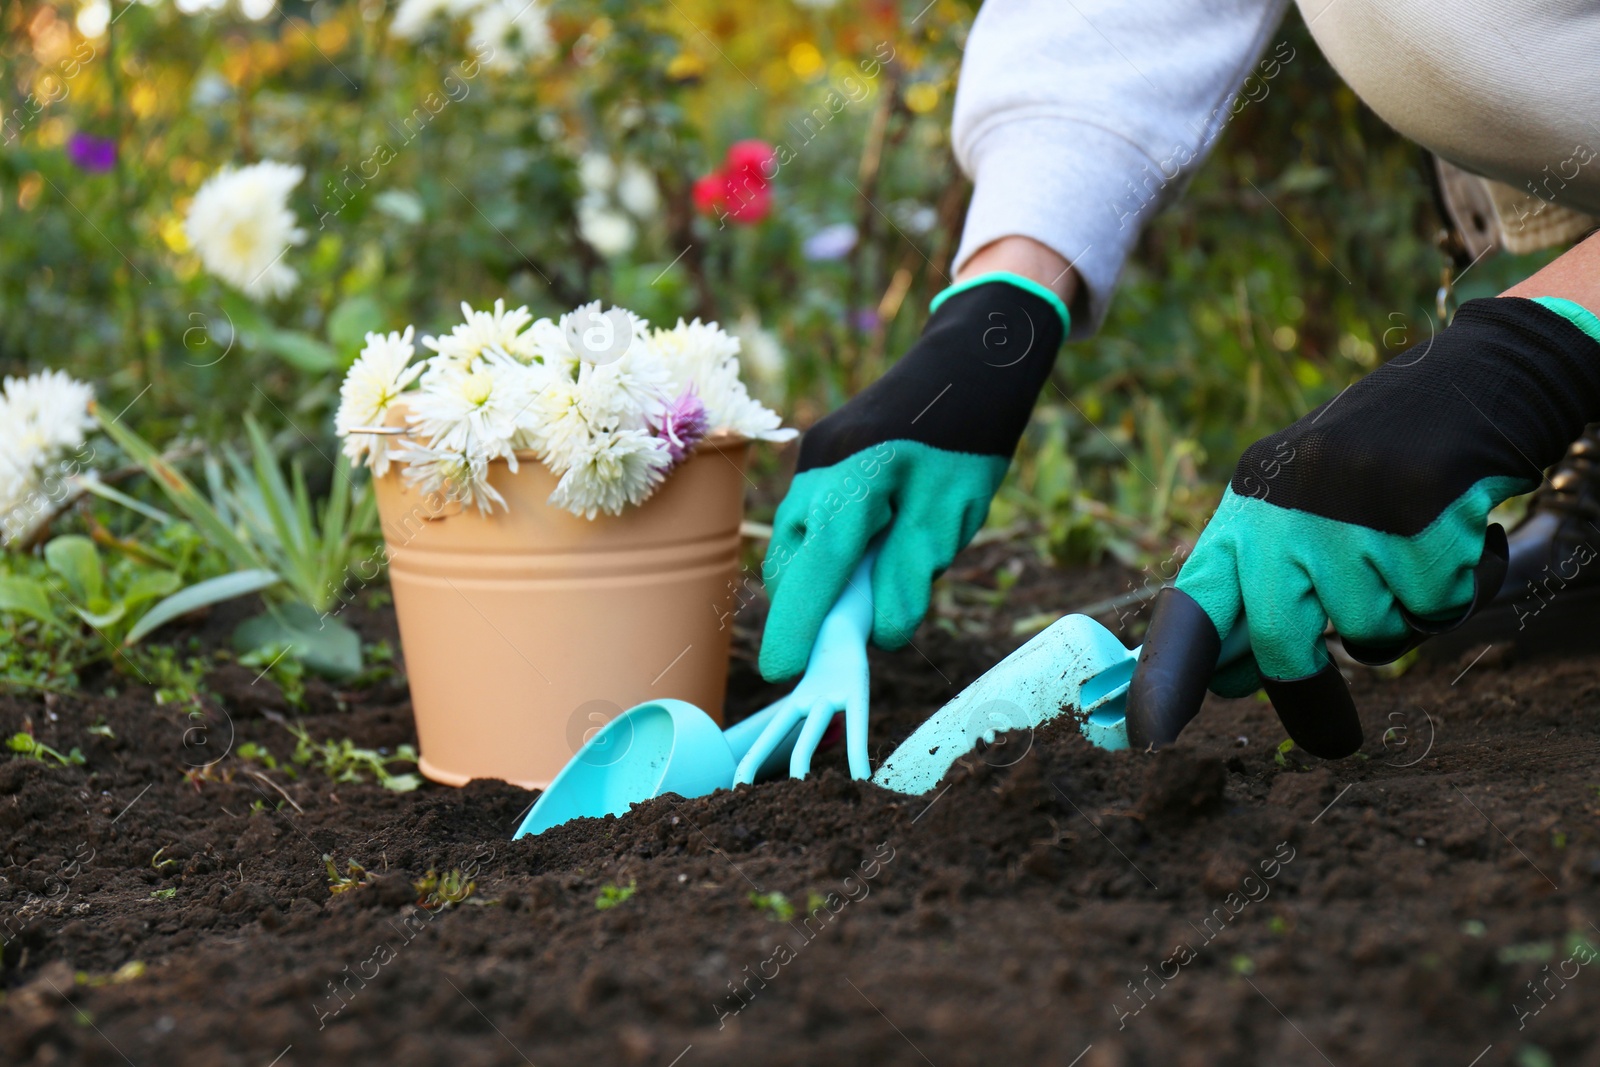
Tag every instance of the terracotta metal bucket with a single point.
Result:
(526, 630)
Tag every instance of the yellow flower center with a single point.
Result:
(477, 388)
(242, 241)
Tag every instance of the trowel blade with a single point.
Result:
(1076, 667)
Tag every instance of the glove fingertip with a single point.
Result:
(777, 662)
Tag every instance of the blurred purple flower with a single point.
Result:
(683, 425)
(93, 154)
(865, 319)
(829, 243)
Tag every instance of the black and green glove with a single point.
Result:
(1379, 498)
(921, 451)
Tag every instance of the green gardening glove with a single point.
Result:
(920, 453)
(1380, 498)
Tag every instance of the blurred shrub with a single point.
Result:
(560, 163)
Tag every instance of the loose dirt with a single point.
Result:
(1431, 901)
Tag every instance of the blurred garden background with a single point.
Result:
(550, 154)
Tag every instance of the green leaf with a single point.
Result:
(25, 596)
(244, 316)
(325, 645)
(351, 321)
(75, 559)
(301, 351)
(183, 495)
(90, 484)
(201, 594)
(101, 613)
(148, 585)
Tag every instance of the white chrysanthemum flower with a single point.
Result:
(705, 357)
(548, 345)
(482, 331)
(42, 417)
(611, 471)
(638, 385)
(607, 230)
(564, 416)
(21, 457)
(476, 408)
(515, 30)
(374, 382)
(46, 412)
(459, 476)
(568, 329)
(241, 226)
(637, 191)
(20, 502)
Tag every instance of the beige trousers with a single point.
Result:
(1507, 90)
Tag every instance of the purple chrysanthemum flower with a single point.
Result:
(93, 154)
(683, 425)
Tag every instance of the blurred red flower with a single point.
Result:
(755, 161)
(741, 189)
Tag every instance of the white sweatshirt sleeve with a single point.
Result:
(1077, 120)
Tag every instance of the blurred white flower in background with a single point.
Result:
(241, 226)
(610, 231)
(596, 173)
(504, 32)
(762, 357)
(256, 10)
(517, 31)
(607, 230)
(374, 382)
(636, 190)
(42, 418)
(46, 412)
(194, 7)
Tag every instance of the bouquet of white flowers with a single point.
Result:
(609, 405)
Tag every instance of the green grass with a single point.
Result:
(612, 895)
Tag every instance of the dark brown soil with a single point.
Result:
(1221, 904)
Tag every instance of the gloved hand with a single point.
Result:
(920, 451)
(1380, 497)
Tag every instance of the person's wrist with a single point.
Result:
(994, 283)
(1025, 257)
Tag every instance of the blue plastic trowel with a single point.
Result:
(1074, 667)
